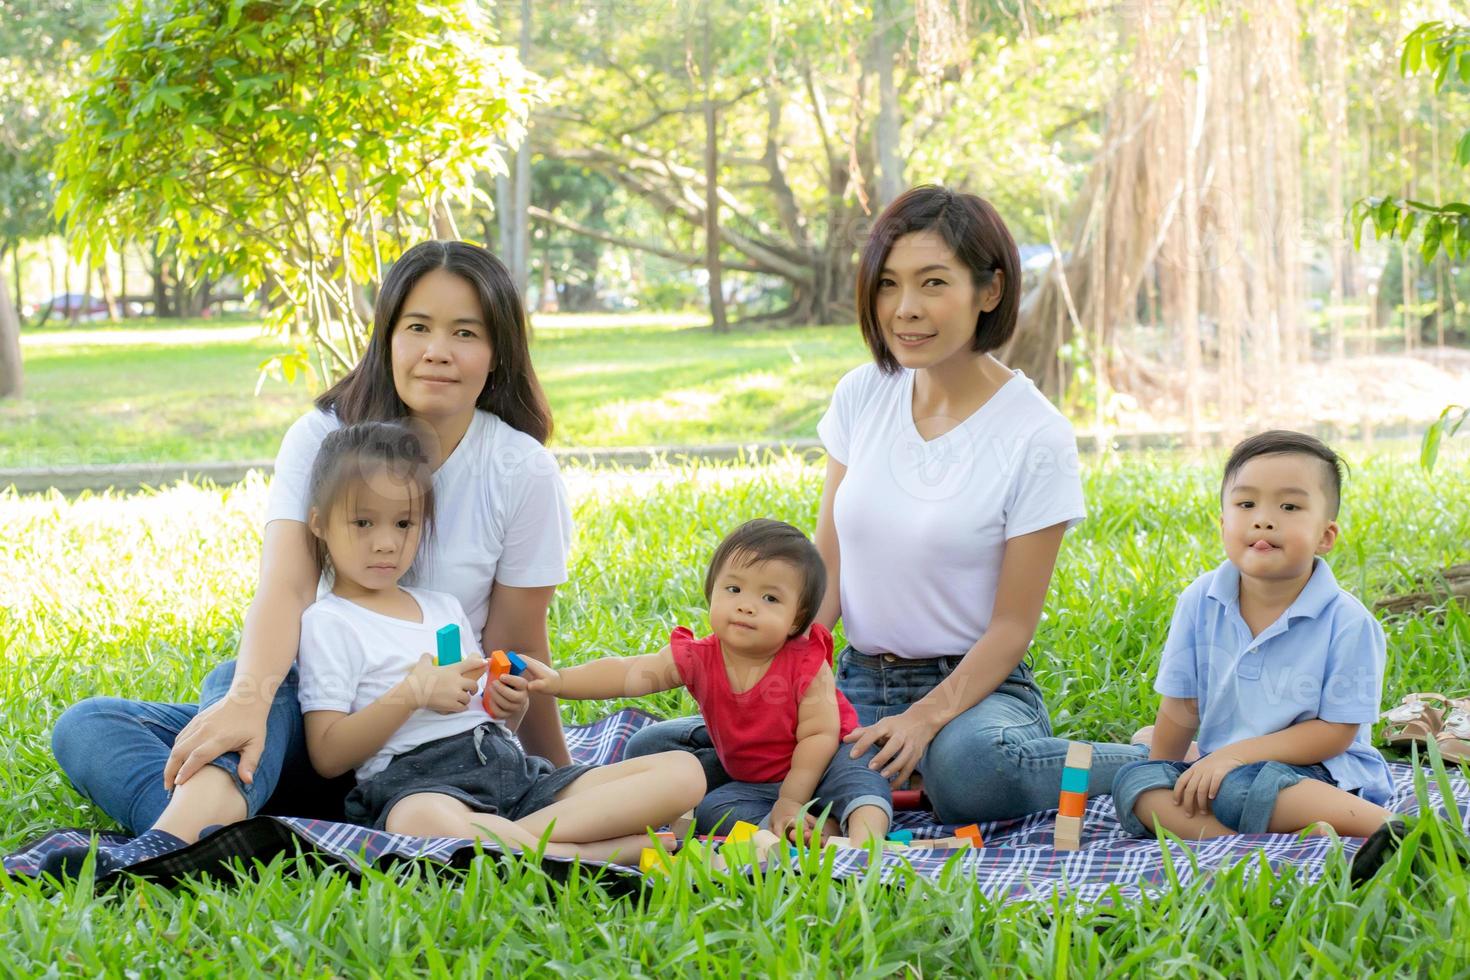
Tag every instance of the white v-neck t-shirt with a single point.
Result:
(500, 510)
(922, 525)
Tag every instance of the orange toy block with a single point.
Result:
(1073, 804)
(972, 834)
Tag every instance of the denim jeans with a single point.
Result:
(995, 761)
(847, 784)
(113, 750)
(1244, 801)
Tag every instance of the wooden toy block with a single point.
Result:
(743, 832)
(1073, 804)
(841, 842)
(652, 860)
(517, 665)
(901, 836)
(908, 799)
(971, 832)
(1068, 836)
(1075, 780)
(763, 841)
(949, 843)
(680, 827)
(895, 845)
(499, 664)
(1079, 755)
(448, 638)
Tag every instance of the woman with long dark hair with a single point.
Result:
(449, 354)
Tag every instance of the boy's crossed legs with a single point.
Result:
(1262, 797)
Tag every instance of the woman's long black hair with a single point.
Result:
(512, 392)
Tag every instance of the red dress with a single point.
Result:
(754, 732)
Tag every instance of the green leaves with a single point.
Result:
(291, 143)
(1444, 50)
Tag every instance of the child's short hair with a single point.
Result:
(766, 540)
(1278, 441)
(352, 453)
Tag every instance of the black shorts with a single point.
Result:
(484, 768)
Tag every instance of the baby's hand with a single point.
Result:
(789, 823)
(447, 689)
(508, 696)
(542, 678)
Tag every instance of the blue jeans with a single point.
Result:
(1244, 802)
(113, 750)
(847, 784)
(995, 761)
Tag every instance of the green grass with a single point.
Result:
(161, 391)
(141, 595)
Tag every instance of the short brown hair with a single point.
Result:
(766, 540)
(1279, 441)
(973, 230)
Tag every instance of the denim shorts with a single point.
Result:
(847, 784)
(1244, 802)
(483, 768)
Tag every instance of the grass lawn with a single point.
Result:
(162, 391)
(141, 595)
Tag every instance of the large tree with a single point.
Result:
(298, 144)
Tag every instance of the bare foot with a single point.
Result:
(1145, 736)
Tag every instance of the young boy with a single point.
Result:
(1278, 670)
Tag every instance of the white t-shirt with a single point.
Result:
(922, 526)
(500, 510)
(351, 656)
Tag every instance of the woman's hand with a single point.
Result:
(903, 739)
(448, 689)
(229, 725)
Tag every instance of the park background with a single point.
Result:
(1232, 214)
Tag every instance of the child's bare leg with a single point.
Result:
(438, 815)
(866, 823)
(209, 797)
(622, 800)
(1158, 805)
(1313, 801)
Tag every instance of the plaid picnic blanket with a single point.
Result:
(1018, 861)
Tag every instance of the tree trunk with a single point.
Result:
(886, 133)
(1335, 54)
(122, 279)
(522, 268)
(12, 379)
(712, 185)
(104, 282)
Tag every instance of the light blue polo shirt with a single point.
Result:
(1323, 658)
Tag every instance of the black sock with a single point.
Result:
(66, 862)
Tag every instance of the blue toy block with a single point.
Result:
(1074, 780)
(517, 665)
(448, 644)
(901, 836)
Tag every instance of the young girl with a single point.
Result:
(428, 758)
(765, 689)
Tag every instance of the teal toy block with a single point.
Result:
(901, 836)
(517, 665)
(1074, 780)
(448, 644)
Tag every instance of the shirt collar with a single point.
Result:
(1315, 596)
